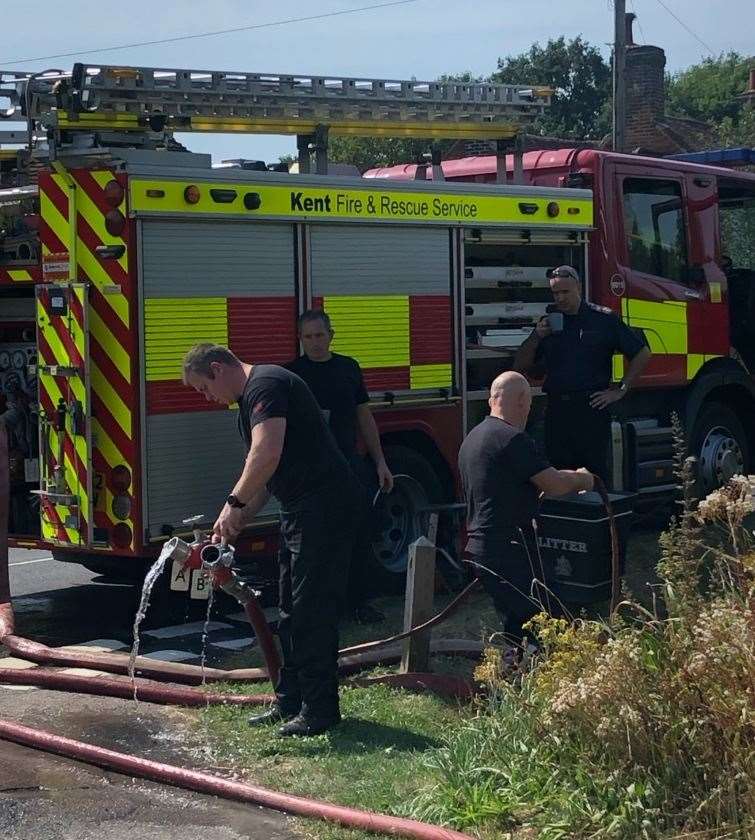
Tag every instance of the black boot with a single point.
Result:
(305, 726)
(272, 715)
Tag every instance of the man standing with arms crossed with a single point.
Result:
(338, 386)
(291, 455)
(502, 476)
(578, 360)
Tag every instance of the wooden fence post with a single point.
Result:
(418, 606)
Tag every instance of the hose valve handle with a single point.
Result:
(194, 520)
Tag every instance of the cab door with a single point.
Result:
(65, 411)
(708, 329)
(662, 289)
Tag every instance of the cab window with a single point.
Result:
(654, 227)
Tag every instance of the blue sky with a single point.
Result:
(419, 40)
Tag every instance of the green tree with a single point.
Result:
(580, 107)
(712, 90)
(368, 152)
(581, 79)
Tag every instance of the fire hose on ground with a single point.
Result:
(218, 560)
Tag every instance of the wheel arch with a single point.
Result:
(727, 382)
(425, 446)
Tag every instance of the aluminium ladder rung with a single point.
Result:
(106, 88)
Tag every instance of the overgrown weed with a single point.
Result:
(640, 726)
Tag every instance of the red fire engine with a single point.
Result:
(665, 255)
(119, 250)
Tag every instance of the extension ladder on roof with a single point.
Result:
(106, 97)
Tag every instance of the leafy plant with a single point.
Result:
(639, 727)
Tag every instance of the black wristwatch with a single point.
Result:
(233, 501)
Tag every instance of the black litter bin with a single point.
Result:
(575, 541)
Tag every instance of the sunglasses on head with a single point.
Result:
(563, 272)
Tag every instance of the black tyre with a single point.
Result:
(398, 517)
(719, 442)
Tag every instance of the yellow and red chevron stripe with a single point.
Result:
(14, 276)
(62, 342)
(112, 342)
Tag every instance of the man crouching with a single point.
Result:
(503, 476)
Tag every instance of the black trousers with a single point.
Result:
(577, 435)
(360, 586)
(316, 545)
(519, 581)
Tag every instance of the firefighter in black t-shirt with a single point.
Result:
(338, 386)
(578, 364)
(502, 476)
(292, 456)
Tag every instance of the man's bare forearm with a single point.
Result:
(636, 366)
(555, 482)
(258, 470)
(254, 506)
(370, 434)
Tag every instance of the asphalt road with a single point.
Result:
(64, 604)
(46, 796)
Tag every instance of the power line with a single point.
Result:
(639, 24)
(217, 32)
(683, 24)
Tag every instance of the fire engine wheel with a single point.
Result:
(720, 444)
(399, 514)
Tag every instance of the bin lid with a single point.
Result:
(591, 497)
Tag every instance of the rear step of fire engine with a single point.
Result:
(105, 97)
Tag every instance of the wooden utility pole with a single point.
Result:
(619, 64)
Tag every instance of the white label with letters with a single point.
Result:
(200, 585)
(180, 577)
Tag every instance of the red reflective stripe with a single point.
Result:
(90, 186)
(45, 351)
(173, 397)
(111, 267)
(110, 371)
(122, 442)
(55, 194)
(430, 329)
(708, 328)
(52, 514)
(50, 240)
(387, 379)
(262, 329)
(120, 331)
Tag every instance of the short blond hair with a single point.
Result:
(199, 358)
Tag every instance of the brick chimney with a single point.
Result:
(749, 94)
(645, 91)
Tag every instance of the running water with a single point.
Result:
(149, 581)
(210, 599)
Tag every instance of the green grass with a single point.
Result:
(374, 760)
(421, 757)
